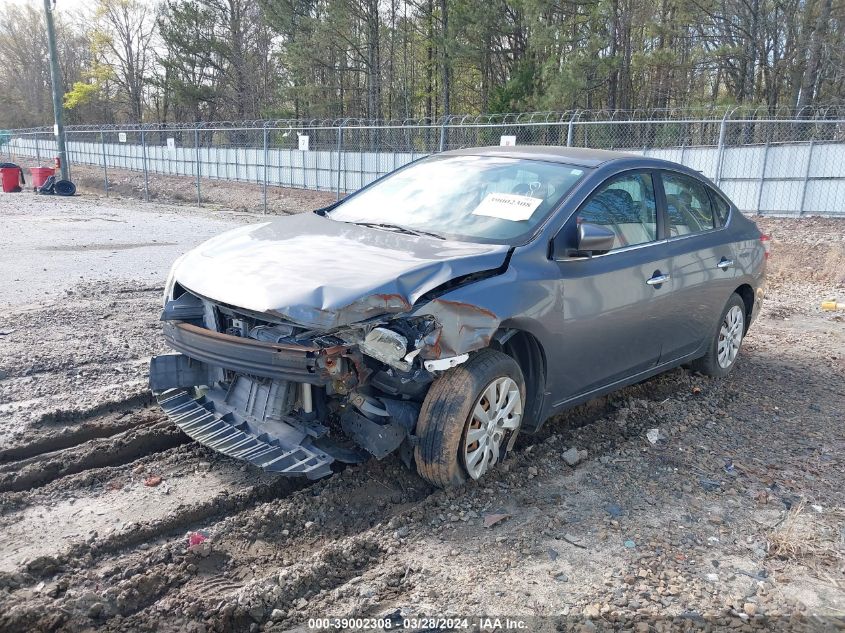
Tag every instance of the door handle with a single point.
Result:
(724, 264)
(658, 279)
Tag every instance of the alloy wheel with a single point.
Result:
(497, 413)
(730, 336)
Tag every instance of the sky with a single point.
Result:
(63, 5)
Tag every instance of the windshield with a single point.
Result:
(474, 198)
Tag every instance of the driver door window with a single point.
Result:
(626, 206)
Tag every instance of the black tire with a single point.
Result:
(709, 363)
(446, 412)
(64, 188)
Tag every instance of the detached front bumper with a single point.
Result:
(299, 363)
(252, 400)
(243, 419)
(198, 418)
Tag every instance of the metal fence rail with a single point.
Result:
(790, 164)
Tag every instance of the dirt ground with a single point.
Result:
(124, 184)
(734, 518)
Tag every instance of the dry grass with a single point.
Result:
(814, 538)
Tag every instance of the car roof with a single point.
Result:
(581, 156)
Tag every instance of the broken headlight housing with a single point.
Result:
(387, 346)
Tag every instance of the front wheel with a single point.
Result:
(724, 348)
(469, 419)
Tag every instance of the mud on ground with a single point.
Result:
(734, 518)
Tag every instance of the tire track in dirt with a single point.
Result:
(316, 538)
(51, 412)
(110, 520)
(295, 537)
(308, 546)
(138, 397)
(305, 549)
(141, 573)
(121, 410)
(117, 450)
(190, 517)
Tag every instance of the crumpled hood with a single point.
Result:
(322, 273)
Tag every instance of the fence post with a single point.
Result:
(443, 133)
(721, 151)
(105, 165)
(197, 158)
(66, 157)
(570, 132)
(762, 178)
(144, 163)
(264, 186)
(806, 179)
(37, 150)
(339, 150)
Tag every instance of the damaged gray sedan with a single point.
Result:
(452, 304)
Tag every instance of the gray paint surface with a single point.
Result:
(587, 323)
(598, 323)
(322, 273)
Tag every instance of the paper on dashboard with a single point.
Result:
(508, 206)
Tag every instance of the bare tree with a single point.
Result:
(124, 32)
(810, 79)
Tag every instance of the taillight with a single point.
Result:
(766, 241)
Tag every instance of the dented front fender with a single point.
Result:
(468, 317)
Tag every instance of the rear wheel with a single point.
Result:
(469, 419)
(724, 348)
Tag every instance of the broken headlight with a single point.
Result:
(386, 346)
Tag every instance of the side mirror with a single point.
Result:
(594, 238)
(583, 240)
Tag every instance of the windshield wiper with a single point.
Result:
(400, 229)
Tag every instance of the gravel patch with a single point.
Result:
(730, 515)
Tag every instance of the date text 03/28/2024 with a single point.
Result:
(418, 624)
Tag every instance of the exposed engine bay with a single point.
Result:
(291, 399)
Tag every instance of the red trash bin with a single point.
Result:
(40, 175)
(11, 177)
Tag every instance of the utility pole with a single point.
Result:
(56, 79)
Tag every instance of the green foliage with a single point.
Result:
(518, 92)
(232, 59)
(82, 93)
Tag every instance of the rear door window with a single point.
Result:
(688, 207)
(625, 204)
(720, 207)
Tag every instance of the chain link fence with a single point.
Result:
(781, 163)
